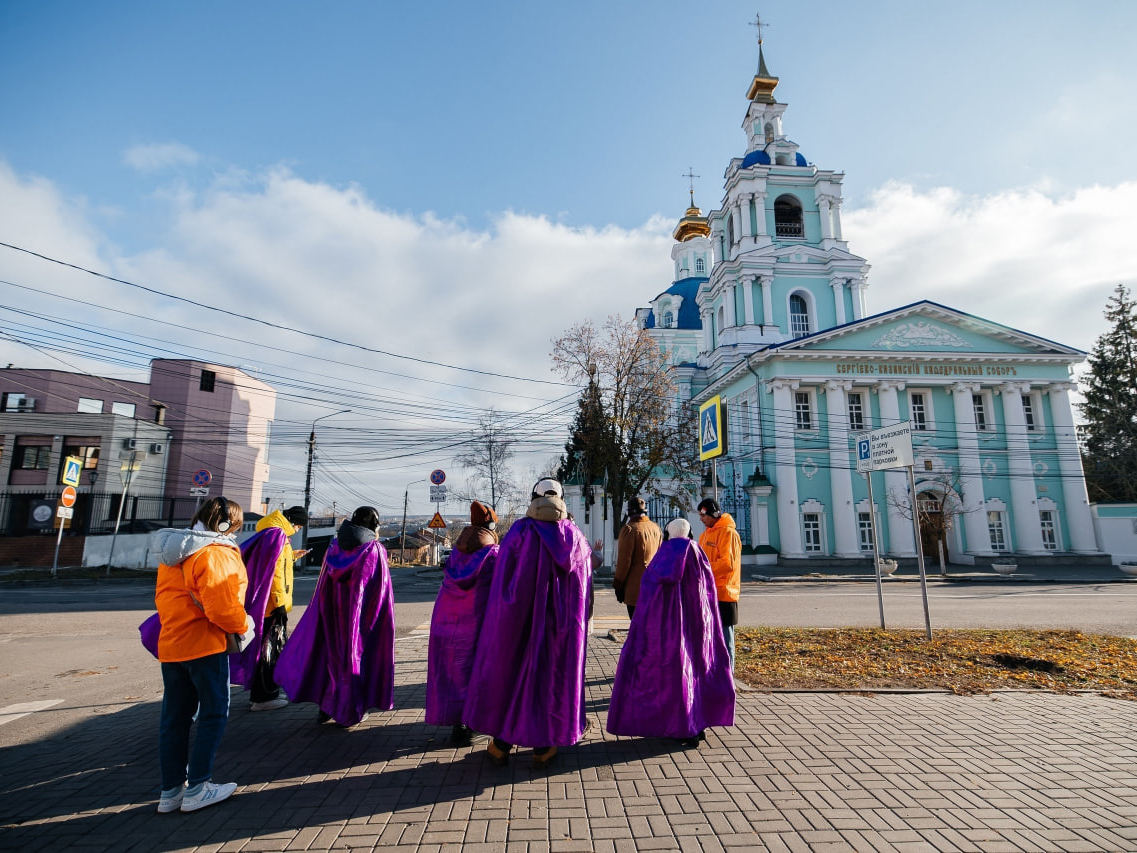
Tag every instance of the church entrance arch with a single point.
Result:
(933, 527)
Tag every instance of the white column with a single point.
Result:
(767, 301)
(705, 316)
(748, 299)
(859, 309)
(760, 214)
(836, 213)
(728, 303)
(716, 244)
(838, 285)
(1024, 501)
(970, 473)
(742, 213)
(824, 208)
(1079, 521)
(901, 541)
(759, 514)
(841, 469)
(785, 467)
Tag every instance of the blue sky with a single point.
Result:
(480, 176)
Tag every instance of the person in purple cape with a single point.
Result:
(342, 654)
(674, 677)
(527, 684)
(457, 621)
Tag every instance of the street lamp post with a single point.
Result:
(128, 464)
(308, 476)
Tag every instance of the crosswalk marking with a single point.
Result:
(22, 709)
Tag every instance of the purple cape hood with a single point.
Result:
(674, 678)
(527, 685)
(342, 654)
(259, 553)
(454, 629)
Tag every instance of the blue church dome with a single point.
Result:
(688, 311)
(801, 161)
(759, 157)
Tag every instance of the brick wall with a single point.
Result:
(40, 550)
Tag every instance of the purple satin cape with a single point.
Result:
(527, 685)
(259, 554)
(673, 679)
(454, 629)
(342, 654)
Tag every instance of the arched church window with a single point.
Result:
(769, 132)
(787, 217)
(700, 266)
(799, 316)
(730, 229)
(668, 320)
(722, 318)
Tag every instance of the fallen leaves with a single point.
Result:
(975, 661)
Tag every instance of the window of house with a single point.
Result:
(33, 457)
(1028, 413)
(917, 410)
(1049, 529)
(864, 530)
(208, 380)
(700, 265)
(799, 315)
(996, 529)
(788, 217)
(811, 532)
(668, 320)
(803, 410)
(15, 402)
(126, 410)
(90, 406)
(979, 406)
(856, 411)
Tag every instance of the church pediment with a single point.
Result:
(927, 327)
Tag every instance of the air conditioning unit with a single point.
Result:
(157, 448)
(28, 404)
(129, 444)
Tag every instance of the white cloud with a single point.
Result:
(158, 156)
(1035, 261)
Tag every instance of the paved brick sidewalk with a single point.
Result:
(799, 771)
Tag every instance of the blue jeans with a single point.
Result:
(189, 684)
(728, 635)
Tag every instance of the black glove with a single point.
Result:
(619, 587)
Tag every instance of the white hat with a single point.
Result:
(544, 487)
(678, 528)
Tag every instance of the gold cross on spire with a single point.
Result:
(690, 176)
(757, 22)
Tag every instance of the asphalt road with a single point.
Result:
(72, 651)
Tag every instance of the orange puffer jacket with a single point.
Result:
(724, 551)
(206, 566)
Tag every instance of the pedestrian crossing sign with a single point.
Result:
(72, 468)
(712, 428)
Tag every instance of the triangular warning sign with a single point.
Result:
(710, 434)
(437, 522)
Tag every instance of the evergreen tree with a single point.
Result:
(1110, 407)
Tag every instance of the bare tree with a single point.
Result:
(487, 455)
(633, 429)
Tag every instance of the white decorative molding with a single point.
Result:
(809, 468)
(1040, 468)
(919, 335)
(990, 468)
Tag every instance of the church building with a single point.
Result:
(768, 310)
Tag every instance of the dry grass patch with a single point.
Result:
(958, 661)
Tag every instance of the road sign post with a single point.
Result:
(712, 436)
(880, 450)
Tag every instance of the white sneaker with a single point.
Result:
(171, 800)
(270, 705)
(209, 795)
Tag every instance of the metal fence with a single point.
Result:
(25, 513)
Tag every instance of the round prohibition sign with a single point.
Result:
(438, 476)
(202, 478)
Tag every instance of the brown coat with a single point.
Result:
(474, 538)
(639, 540)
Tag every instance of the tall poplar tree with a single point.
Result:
(1110, 407)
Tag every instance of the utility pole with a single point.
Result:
(403, 535)
(308, 475)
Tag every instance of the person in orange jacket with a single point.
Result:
(723, 548)
(199, 594)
